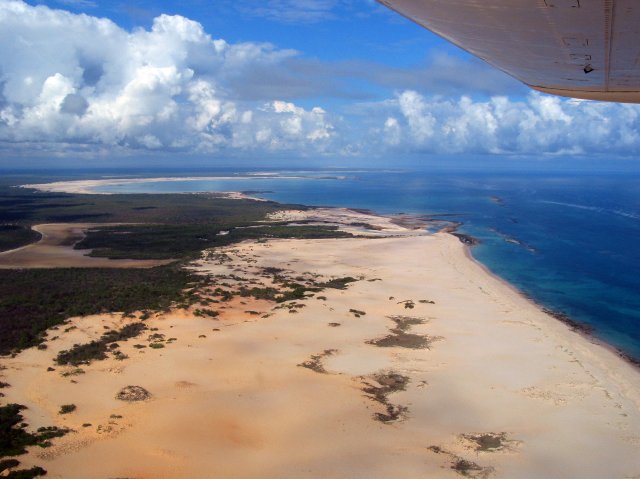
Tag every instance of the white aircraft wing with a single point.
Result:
(578, 48)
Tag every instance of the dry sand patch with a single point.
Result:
(229, 399)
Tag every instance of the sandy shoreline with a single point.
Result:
(426, 366)
(88, 186)
(574, 326)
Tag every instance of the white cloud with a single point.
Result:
(69, 79)
(81, 84)
(536, 125)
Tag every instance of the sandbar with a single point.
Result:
(89, 186)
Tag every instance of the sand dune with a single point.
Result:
(425, 367)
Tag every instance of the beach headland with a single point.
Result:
(391, 356)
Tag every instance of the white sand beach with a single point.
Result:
(426, 366)
(89, 186)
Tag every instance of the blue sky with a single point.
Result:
(319, 81)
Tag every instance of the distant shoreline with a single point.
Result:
(404, 221)
(87, 187)
(304, 352)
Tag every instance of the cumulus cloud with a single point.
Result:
(68, 79)
(537, 125)
(79, 84)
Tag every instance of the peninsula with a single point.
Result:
(379, 352)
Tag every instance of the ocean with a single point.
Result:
(567, 240)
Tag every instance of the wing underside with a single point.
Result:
(579, 48)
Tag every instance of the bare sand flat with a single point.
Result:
(55, 250)
(89, 186)
(425, 367)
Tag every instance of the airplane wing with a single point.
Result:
(578, 48)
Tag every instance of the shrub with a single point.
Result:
(67, 408)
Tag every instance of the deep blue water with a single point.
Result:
(570, 241)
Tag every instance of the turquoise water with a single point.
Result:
(567, 240)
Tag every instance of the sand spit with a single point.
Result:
(88, 186)
(505, 391)
(55, 250)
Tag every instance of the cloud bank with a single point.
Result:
(84, 82)
(81, 85)
(537, 125)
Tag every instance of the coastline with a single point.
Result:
(403, 353)
(327, 385)
(581, 329)
(399, 224)
(87, 187)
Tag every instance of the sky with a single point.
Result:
(323, 82)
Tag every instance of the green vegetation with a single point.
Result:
(27, 207)
(15, 236)
(296, 291)
(293, 291)
(315, 361)
(14, 438)
(401, 338)
(133, 393)
(338, 283)
(8, 463)
(67, 408)
(488, 442)
(206, 312)
(408, 303)
(83, 354)
(381, 386)
(97, 350)
(180, 241)
(33, 300)
(167, 226)
(27, 473)
(468, 468)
